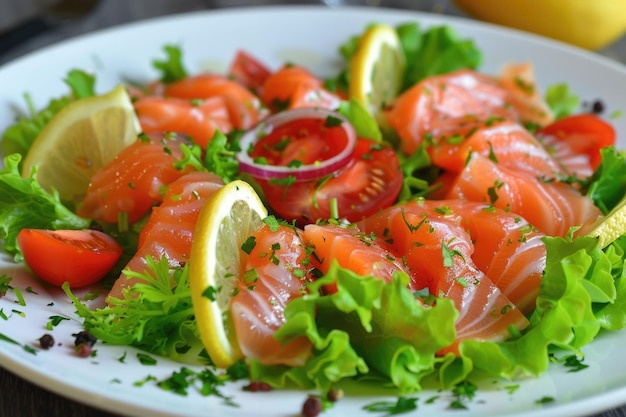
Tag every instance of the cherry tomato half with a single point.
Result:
(370, 181)
(80, 257)
(585, 133)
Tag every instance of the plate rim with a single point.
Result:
(49, 383)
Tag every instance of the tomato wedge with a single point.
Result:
(80, 257)
(311, 165)
(370, 181)
(585, 133)
(248, 71)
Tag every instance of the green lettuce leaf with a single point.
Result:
(171, 68)
(367, 326)
(82, 83)
(25, 204)
(561, 100)
(19, 137)
(612, 316)
(434, 51)
(437, 50)
(363, 122)
(581, 293)
(608, 182)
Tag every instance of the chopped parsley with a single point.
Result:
(463, 391)
(544, 400)
(55, 321)
(206, 381)
(402, 405)
(248, 245)
(27, 348)
(146, 359)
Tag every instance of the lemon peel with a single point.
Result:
(80, 139)
(225, 222)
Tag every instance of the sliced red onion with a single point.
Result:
(303, 172)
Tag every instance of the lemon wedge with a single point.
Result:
(377, 69)
(610, 227)
(216, 264)
(79, 140)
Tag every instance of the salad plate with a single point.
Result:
(119, 378)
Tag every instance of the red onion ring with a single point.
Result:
(303, 172)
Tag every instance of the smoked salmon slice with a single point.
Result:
(574, 163)
(551, 206)
(518, 79)
(503, 141)
(352, 249)
(293, 87)
(132, 182)
(275, 274)
(198, 120)
(438, 253)
(169, 230)
(244, 108)
(507, 248)
(440, 104)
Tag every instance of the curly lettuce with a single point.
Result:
(581, 294)
(19, 137)
(367, 327)
(608, 182)
(377, 329)
(155, 314)
(431, 51)
(25, 204)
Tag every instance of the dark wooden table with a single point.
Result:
(19, 398)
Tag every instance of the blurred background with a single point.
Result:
(27, 25)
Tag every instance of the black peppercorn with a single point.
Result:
(597, 107)
(84, 338)
(256, 386)
(46, 341)
(312, 407)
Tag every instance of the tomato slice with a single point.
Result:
(300, 141)
(80, 257)
(304, 144)
(311, 165)
(248, 71)
(370, 181)
(585, 133)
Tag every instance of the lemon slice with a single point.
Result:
(612, 226)
(225, 222)
(79, 140)
(377, 69)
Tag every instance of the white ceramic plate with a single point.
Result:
(308, 36)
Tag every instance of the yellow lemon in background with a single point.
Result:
(590, 24)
